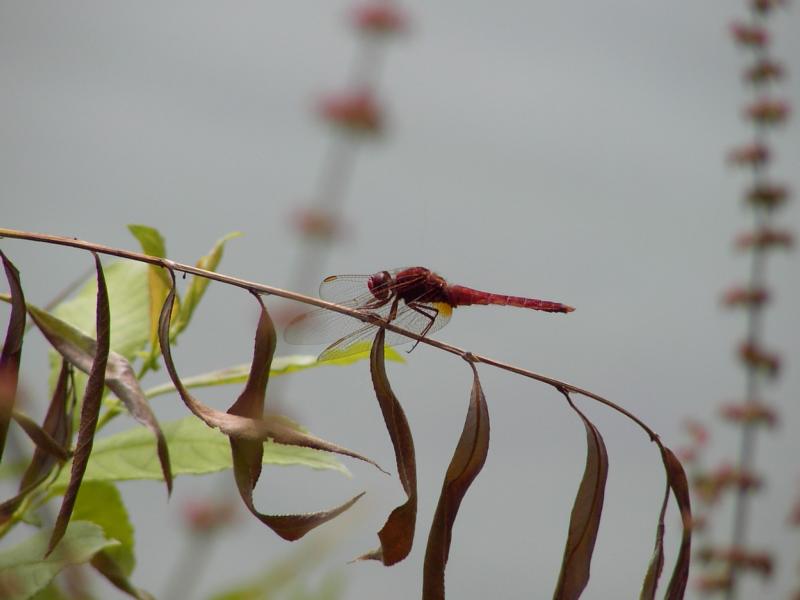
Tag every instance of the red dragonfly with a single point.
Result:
(414, 298)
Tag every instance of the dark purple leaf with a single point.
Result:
(12, 350)
(676, 478)
(90, 410)
(585, 518)
(467, 462)
(397, 534)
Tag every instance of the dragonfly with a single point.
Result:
(413, 298)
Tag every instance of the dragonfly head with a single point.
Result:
(379, 285)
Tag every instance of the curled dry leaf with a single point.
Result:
(39, 436)
(12, 350)
(676, 479)
(657, 562)
(397, 534)
(247, 426)
(585, 518)
(56, 425)
(79, 349)
(90, 410)
(467, 462)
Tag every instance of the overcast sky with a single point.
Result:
(570, 151)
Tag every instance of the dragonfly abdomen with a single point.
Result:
(464, 296)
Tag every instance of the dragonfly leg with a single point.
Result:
(425, 311)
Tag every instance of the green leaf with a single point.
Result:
(195, 449)
(127, 293)
(100, 502)
(198, 286)
(23, 571)
(281, 365)
(150, 239)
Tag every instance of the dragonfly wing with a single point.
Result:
(320, 326)
(407, 318)
(349, 290)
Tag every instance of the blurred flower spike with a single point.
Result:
(749, 413)
(206, 516)
(768, 195)
(316, 224)
(754, 155)
(760, 562)
(380, 18)
(709, 486)
(768, 112)
(687, 454)
(765, 238)
(750, 36)
(763, 71)
(765, 6)
(742, 296)
(354, 112)
(753, 356)
(794, 515)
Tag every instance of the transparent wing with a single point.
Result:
(321, 326)
(351, 290)
(407, 318)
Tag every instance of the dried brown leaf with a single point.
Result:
(39, 436)
(247, 426)
(676, 478)
(468, 460)
(12, 350)
(80, 349)
(397, 534)
(656, 566)
(90, 410)
(56, 424)
(585, 518)
(105, 564)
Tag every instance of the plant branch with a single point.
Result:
(366, 317)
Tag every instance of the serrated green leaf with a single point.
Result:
(198, 285)
(281, 365)
(194, 448)
(23, 571)
(100, 502)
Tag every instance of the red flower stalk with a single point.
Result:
(315, 223)
(752, 355)
(750, 413)
(709, 486)
(750, 36)
(764, 239)
(380, 17)
(742, 296)
(763, 71)
(768, 195)
(768, 112)
(754, 155)
(356, 112)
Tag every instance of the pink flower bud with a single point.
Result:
(768, 112)
(380, 17)
(713, 583)
(315, 223)
(205, 516)
(697, 431)
(749, 413)
(763, 71)
(356, 112)
(740, 296)
(749, 35)
(687, 454)
(765, 6)
(755, 357)
(750, 155)
(768, 195)
(765, 238)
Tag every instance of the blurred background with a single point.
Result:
(572, 152)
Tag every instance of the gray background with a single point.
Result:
(571, 151)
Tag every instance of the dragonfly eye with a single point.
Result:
(378, 284)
